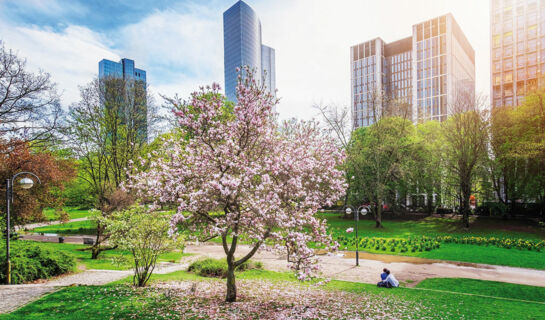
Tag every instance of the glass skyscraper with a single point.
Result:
(517, 30)
(123, 69)
(132, 76)
(422, 71)
(242, 47)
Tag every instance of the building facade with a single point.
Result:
(242, 46)
(517, 42)
(134, 91)
(419, 74)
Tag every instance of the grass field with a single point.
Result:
(437, 227)
(450, 251)
(120, 301)
(73, 213)
(110, 260)
(486, 288)
(75, 227)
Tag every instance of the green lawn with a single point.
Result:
(76, 227)
(120, 301)
(436, 227)
(487, 288)
(108, 259)
(73, 212)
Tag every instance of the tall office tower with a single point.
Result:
(517, 29)
(422, 72)
(242, 47)
(134, 93)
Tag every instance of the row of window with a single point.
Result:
(431, 87)
(435, 106)
(431, 28)
(508, 36)
(521, 62)
(431, 47)
(522, 89)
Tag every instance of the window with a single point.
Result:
(520, 22)
(497, 66)
(532, 45)
(508, 51)
(521, 61)
(508, 37)
(520, 47)
(532, 31)
(532, 59)
(532, 72)
(497, 103)
(521, 74)
(508, 90)
(508, 78)
(497, 79)
(520, 88)
(508, 64)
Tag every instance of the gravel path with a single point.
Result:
(48, 223)
(341, 266)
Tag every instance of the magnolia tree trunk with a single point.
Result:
(231, 285)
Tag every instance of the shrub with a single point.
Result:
(217, 268)
(32, 261)
(145, 234)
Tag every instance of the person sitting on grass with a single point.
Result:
(387, 280)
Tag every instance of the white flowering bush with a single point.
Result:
(145, 234)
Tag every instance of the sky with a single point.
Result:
(180, 43)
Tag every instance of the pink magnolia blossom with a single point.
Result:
(349, 230)
(267, 181)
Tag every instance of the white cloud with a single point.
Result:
(70, 56)
(180, 51)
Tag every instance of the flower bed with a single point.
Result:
(522, 244)
(424, 243)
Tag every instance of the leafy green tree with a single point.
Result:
(426, 174)
(466, 140)
(377, 158)
(529, 144)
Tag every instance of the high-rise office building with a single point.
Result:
(422, 72)
(134, 93)
(242, 47)
(517, 30)
(123, 69)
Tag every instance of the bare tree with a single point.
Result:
(337, 120)
(466, 139)
(29, 103)
(107, 130)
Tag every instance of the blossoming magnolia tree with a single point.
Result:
(241, 177)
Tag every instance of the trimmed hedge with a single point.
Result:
(31, 261)
(217, 268)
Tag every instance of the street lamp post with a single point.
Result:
(363, 211)
(26, 183)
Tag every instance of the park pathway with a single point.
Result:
(47, 223)
(408, 270)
